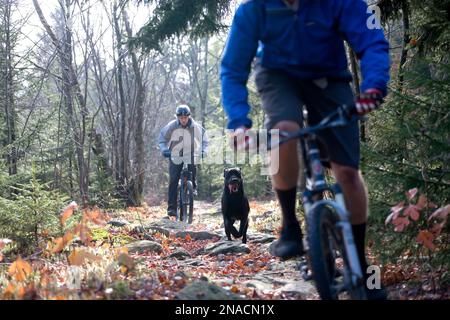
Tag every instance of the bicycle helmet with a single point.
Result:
(183, 110)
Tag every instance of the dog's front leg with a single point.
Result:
(228, 225)
(243, 230)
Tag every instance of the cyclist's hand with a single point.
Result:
(166, 153)
(240, 140)
(369, 100)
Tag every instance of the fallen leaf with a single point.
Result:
(79, 257)
(234, 289)
(422, 202)
(412, 212)
(68, 211)
(58, 245)
(426, 238)
(400, 223)
(395, 211)
(20, 269)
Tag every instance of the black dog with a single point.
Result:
(234, 204)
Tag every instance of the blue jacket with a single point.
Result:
(307, 43)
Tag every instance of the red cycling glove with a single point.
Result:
(369, 100)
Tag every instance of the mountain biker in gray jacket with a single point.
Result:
(180, 140)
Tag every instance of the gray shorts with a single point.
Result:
(283, 96)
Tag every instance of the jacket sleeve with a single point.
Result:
(164, 136)
(367, 41)
(239, 52)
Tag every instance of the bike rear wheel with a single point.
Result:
(328, 257)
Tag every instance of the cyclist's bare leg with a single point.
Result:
(284, 181)
(355, 191)
(355, 194)
(286, 176)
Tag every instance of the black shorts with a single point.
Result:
(283, 97)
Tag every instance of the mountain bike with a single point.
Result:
(332, 259)
(185, 210)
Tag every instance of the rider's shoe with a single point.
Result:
(195, 192)
(171, 213)
(289, 244)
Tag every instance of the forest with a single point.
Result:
(87, 85)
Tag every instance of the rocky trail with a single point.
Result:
(196, 261)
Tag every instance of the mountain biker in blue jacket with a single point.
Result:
(301, 60)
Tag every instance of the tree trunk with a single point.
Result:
(138, 185)
(406, 41)
(71, 86)
(123, 158)
(8, 94)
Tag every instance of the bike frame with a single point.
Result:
(314, 171)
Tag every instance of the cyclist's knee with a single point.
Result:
(286, 125)
(347, 176)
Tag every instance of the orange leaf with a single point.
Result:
(68, 211)
(426, 238)
(422, 202)
(19, 269)
(68, 237)
(59, 245)
(84, 233)
(9, 291)
(79, 257)
(400, 224)
(395, 211)
(412, 212)
(1, 257)
(188, 237)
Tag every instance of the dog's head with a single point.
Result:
(233, 180)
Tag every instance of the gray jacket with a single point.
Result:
(173, 134)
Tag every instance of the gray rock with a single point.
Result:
(260, 238)
(169, 224)
(144, 245)
(180, 254)
(197, 235)
(297, 287)
(259, 285)
(203, 290)
(161, 230)
(192, 263)
(224, 247)
(118, 223)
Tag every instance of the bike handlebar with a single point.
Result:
(342, 116)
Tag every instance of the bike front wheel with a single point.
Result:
(187, 202)
(331, 270)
